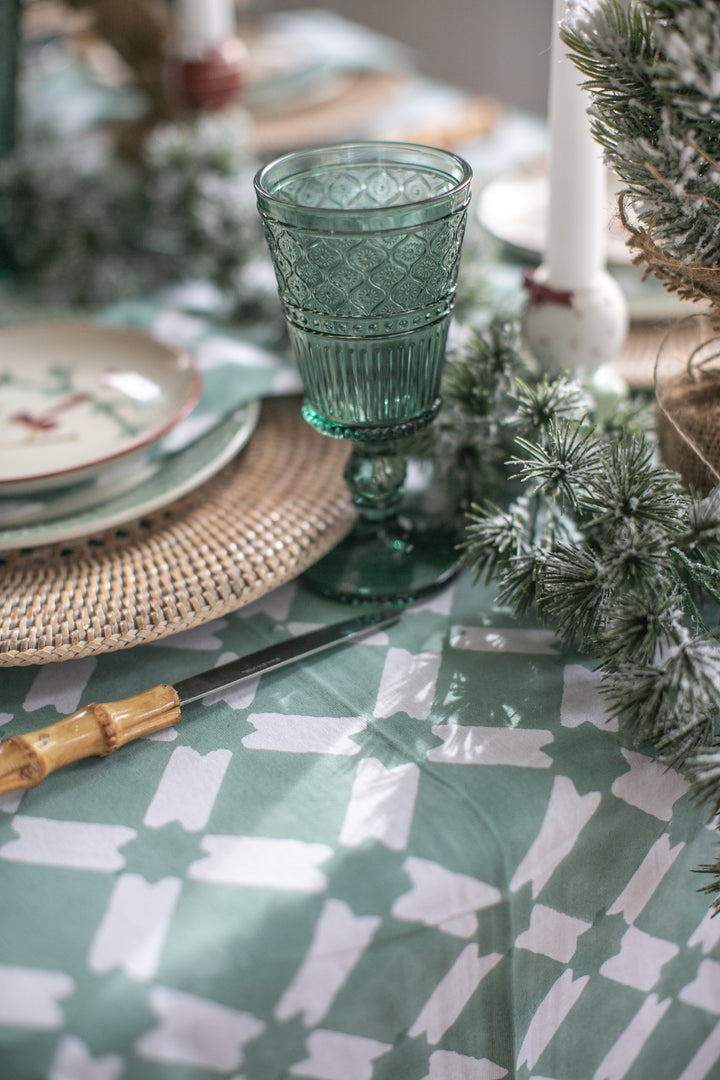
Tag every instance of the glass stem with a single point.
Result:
(375, 475)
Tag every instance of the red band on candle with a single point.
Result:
(215, 79)
(545, 294)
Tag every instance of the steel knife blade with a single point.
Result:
(277, 656)
(101, 728)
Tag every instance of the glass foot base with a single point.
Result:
(397, 561)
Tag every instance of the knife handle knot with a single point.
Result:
(98, 729)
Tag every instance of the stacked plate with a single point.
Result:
(98, 428)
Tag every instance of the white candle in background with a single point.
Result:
(201, 24)
(576, 234)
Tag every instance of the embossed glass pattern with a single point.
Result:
(366, 255)
(365, 240)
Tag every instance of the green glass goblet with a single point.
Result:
(365, 240)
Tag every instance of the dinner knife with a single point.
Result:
(101, 728)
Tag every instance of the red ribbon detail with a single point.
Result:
(544, 294)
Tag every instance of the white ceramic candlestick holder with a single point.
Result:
(578, 330)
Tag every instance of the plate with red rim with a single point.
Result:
(76, 397)
(117, 495)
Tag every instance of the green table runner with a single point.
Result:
(424, 856)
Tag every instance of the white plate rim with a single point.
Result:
(239, 426)
(38, 481)
(495, 214)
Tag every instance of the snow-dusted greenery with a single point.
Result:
(652, 68)
(599, 540)
(87, 226)
(653, 71)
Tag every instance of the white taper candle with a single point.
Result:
(576, 314)
(577, 211)
(201, 24)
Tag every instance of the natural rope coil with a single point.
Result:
(688, 280)
(687, 391)
(688, 388)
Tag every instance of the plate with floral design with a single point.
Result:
(76, 397)
(117, 496)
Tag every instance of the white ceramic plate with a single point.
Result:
(75, 396)
(514, 210)
(280, 77)
(160, 483)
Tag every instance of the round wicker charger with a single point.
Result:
(260, 522)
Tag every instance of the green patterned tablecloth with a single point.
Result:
(426, 856)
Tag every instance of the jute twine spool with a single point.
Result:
(687, 369)
(688, 422)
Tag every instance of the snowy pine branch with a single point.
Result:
(652, 68)
(605, 546)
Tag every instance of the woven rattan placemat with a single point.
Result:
(259, 523)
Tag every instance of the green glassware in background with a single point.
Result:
(9, 41)
(9, 47)
(365, 239)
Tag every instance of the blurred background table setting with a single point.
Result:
(464, 847)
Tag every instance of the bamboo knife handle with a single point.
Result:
(94, 730)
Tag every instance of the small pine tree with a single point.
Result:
(652, 68)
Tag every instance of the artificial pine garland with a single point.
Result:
(124, 208)
(604, 543)
(599, 539)
(89, 226)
